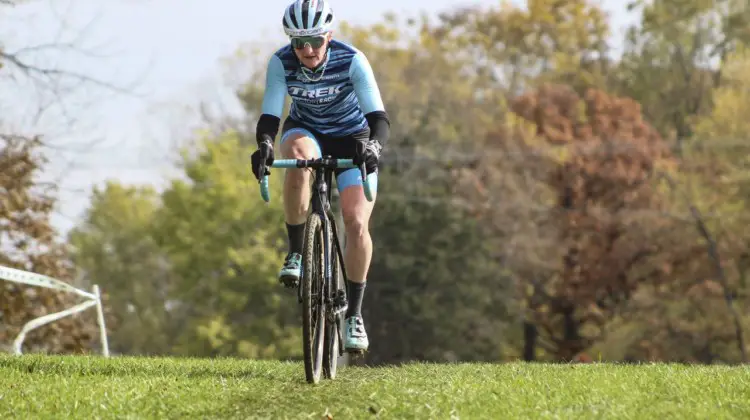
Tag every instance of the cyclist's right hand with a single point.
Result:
(262, 159)
(367, 153)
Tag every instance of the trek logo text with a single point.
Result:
(318, 96)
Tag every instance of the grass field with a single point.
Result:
(93, 387)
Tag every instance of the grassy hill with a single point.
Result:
(35, 386)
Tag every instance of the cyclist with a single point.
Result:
(336, 103)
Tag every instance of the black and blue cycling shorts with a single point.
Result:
(337, 148)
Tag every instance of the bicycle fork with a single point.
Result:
(336, 302)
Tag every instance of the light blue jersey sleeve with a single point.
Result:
(275, 92)
(365, 86)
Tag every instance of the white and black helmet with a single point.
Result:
(308, 18)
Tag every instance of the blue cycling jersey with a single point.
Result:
(334, 104)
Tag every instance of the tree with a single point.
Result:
(115, 248)
(668, 64)
(225, 247)
(720, 135)
(196, 265)
(29, 243)
(713, 186)
(548, 41)
(434, 291)
(600, 233)
(505, 190)
(28, 238)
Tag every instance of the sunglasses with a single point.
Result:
(298, 42)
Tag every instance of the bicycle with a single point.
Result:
(321, 346)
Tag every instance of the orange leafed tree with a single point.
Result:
(605, 205)
(593, 218)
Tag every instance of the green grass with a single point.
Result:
(93, 387)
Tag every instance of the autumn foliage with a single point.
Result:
(596, 163)
(601, 183)
(544, 197)
(29, 244)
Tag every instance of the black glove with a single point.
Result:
(262, 157)
(368, 152)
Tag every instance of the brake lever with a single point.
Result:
(361, 146)
(365, 182)
(263, 181)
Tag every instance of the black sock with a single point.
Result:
(355, 292)
(296, 237)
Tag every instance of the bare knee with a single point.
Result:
(356, 226)
(298, 147)
(297, 150)
(356, 221)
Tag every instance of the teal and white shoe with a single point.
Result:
(290, 272)
(356, 337)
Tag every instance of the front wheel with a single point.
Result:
(313, 298)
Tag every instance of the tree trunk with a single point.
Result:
(530, 334)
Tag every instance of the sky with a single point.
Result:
(166, 55)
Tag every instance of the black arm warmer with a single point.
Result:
(267, 128)
(379, 126)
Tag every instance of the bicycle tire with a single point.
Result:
(333, 327)
(313, 302)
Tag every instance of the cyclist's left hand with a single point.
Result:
(369, 154)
